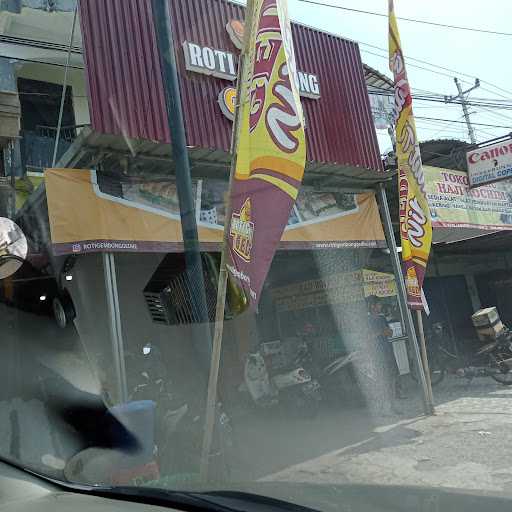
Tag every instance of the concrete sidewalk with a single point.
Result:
(466, 445)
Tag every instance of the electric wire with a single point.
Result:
(412, 20)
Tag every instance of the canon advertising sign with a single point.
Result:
(490, 163)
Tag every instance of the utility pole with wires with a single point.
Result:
(462, 97)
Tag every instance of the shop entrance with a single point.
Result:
(449, 302)
(495, 289)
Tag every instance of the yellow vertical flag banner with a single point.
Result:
(271, 150)
(415, 223)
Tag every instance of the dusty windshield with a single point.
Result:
(255, 246)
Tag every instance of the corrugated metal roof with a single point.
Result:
(123, 69)
(377, 80)
(91, 148)
(126, 94)
(447, 153)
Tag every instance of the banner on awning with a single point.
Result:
(459, 212)
(90, 213)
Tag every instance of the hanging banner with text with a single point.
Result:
(270, 151)
(459, 212)
(91, 213)
(341, 288)
(415, 225)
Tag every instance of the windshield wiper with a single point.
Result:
(215, 501)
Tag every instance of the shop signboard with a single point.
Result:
(380, 284)
(490, 163)
(223, 64)
(340, 288)
(382, 108)
(144, 216)
(459, 211)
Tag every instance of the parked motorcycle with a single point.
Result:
(293, 388)
(498, 356)
(493, 359)
(179, 429)
(329, 376)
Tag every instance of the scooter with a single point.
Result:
(328, 376)
(293, 388)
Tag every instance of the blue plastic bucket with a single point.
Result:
(139, 419)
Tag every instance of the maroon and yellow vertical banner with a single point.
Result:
(415, 224)
(271, 149)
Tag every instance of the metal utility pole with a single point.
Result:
(428, 404)
(116, 329)
(165, 42)
(64, 87)
(462, 97)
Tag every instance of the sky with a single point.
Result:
(465, 52)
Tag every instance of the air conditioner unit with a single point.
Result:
(169, 293)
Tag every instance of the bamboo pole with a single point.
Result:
(211, 400)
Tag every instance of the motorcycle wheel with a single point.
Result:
(504, 373)
(437, 375)
(307, 406)
(437, 371)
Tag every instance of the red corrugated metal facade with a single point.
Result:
(126, 93)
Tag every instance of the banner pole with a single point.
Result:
(116, 330)
(428, 405)
(211, 400)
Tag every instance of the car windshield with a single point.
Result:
(256, 246)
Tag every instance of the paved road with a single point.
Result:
(466, 445)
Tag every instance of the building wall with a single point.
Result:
(55, 75)
(49, 5)
(11, 158)
(126, 90)
(18, 157)
(7, 75)
(185, 361)
(15, 6)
